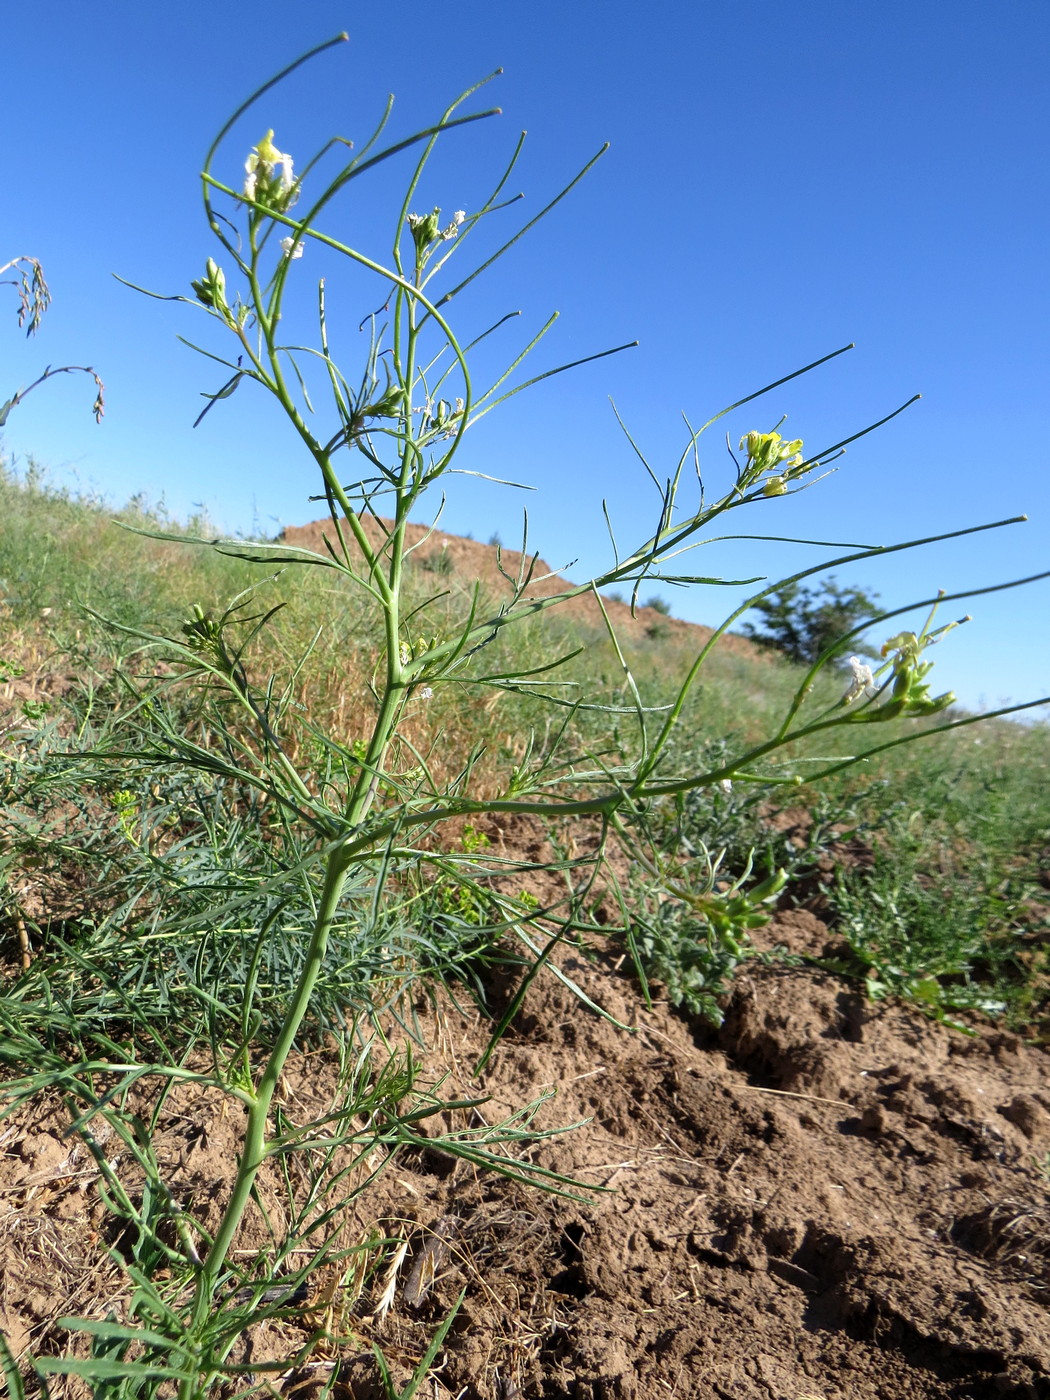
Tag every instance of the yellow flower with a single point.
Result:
(268, 174)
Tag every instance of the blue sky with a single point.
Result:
(783, 178)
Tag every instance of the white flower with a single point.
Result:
(863, 682)
(457, 218)
(425, 693)
(726, 784)
(263, 164)
(292, 249)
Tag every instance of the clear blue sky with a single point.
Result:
(784, 177)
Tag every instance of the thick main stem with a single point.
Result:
(254, 1150)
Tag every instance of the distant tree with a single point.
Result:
(658, 604)
(804, 622)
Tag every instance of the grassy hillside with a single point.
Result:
(946, 902)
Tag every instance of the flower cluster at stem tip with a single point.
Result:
(426, 228)
(911, 689)
(268, 180)
(441, 417)
(907, 676)
(768, 452)
(268, 175)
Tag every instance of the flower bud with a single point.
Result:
(753, 442)
(425, 228)
(769, 888)
(211, 288)
(388, 406)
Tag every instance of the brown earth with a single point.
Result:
(824, 1198)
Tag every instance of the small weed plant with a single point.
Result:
(369, 853)
(943, 931)
(951, 910)
(34, 298)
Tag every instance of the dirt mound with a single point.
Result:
(825, 1198)
(467, 561)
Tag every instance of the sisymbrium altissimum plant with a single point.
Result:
(388, 434)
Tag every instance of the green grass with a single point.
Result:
(62, 552)
(951, 910)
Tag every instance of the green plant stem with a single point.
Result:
(277, 385)
(255, 1147)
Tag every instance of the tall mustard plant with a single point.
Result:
(393, 430)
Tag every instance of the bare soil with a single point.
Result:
(824, 1198)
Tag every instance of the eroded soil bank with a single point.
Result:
(825, 1198)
